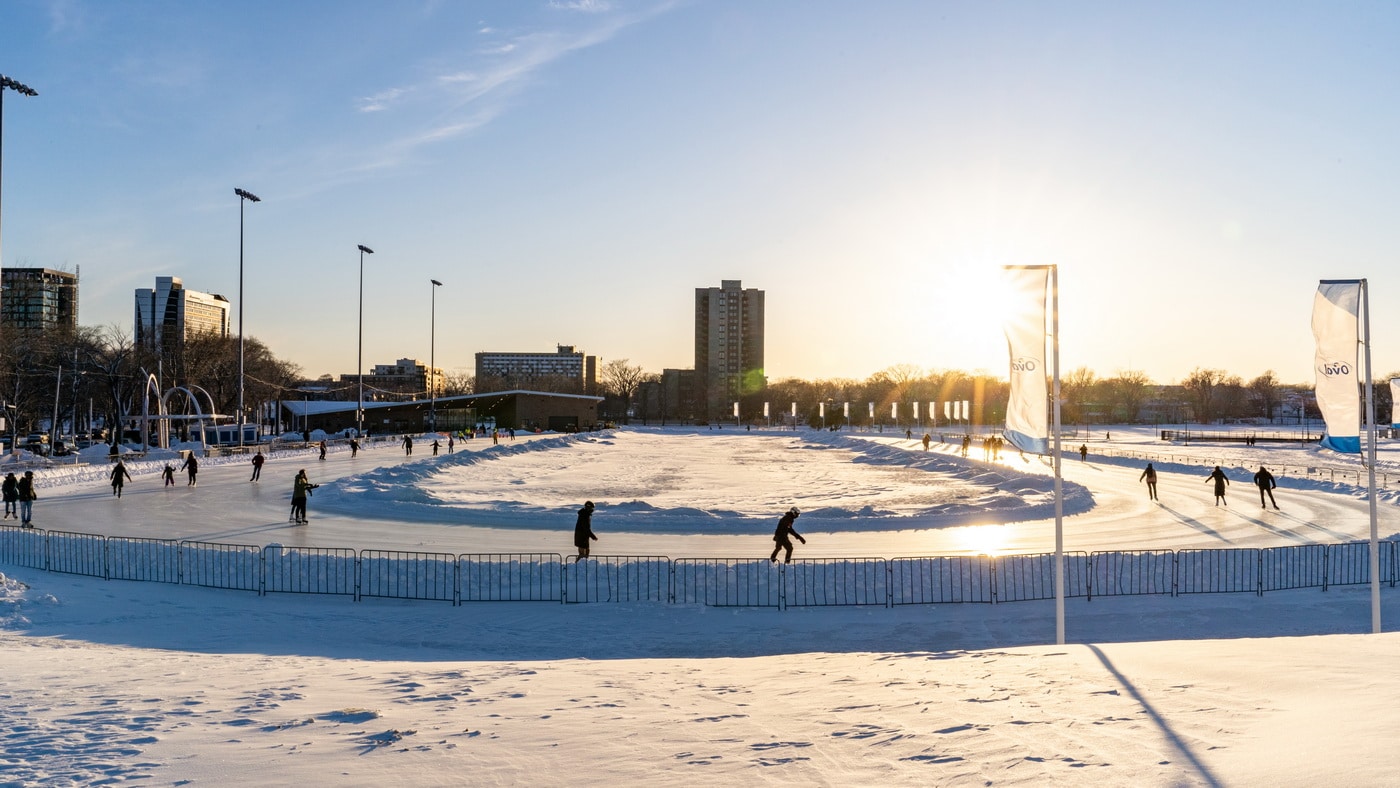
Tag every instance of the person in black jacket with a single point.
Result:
(1266, 483)
(781, 535)
(1218, 476)
(583, 529)
(119, 478)
(27, 496)
(11, 494)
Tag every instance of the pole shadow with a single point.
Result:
(1197, 524)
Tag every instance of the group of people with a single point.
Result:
(1263, 479)
(782, 536)
(19, 496)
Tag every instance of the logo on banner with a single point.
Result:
(1334, 369)
(1023, 365)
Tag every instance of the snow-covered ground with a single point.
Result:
(156, 684)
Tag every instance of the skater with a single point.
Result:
(435, 448)
(781, 536)
(24, 490)
(191, 465)
(258, 460)
(1266, 483)
(927, 439)
(301, 488)
(119, 478)
(1083, 452)
(323, 450)
(407, 445)
(583, 529)
(168, 473)
(1220, 479)
(354, 448)
(1150, 476)
(11, 494)
(450, 444)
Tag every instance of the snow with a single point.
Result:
(151, 683)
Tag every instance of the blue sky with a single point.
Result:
(573, 170)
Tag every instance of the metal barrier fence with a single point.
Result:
(714, 582)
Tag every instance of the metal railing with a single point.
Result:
(713, 582)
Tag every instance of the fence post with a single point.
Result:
(994, 563)
(1089, 581)
(262, 572)
(889, 584)
(1259, 574)
(782, 586)
(357, 597)
(671, 582)
(1176, 571)
(106, 559)
(1326, 565)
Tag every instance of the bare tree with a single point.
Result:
(1126, 391)
(620, 380)
(1077, 388)
(1202, 388)
(1264, 390)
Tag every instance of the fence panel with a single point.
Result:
(617, 578)
(1225, 571)
(1297, 566)
(22, 546)
(930, 580)
(1348, 564)
(1131, 572)
(826, 582)
(1025, 577)
(135, 558)
(509, 577)
(400, 575)
(214, 565)
(309, 570)
(75, 553)
(727, 582)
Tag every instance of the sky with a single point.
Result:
(573, 170)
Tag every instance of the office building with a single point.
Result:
(38, 300)
(169, 314)
(407, 377)
(565, 371)
(728, 346)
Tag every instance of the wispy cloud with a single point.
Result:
(585, 6)
(381, 100)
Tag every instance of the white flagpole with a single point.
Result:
(1371, 461)
(1055, 452)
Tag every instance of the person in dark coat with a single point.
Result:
(583, 529)
(1266, 483)
(258, 460)
(301, 488)
(781, 536)
(168, 473)
(119, 478)
(11, 495)
(1083, 452)
(191, 465)
(25, 490)
(323, 450)
(1149, 475)
(1220, 479)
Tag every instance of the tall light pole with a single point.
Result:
(24, 90)
(243, 197)
(360, 354)
(432, 360)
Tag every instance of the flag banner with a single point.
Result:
(765, 410)
(1027, 423)
(916, 411)
(947, 410)
(846, 410)
(736, 410)
(1395, 403)
(894, 411)
(821, 410)
(794, 410)
(872, 411)
(932, 413)
(1336, 307)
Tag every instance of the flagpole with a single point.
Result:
(1371, 461)
(1055, 449)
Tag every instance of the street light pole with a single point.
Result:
(432, 360)
(243, 197)
(24, 90)
(360, 354)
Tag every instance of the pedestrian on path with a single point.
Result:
(11, 495)
(1149, 475)
(583, 529)
(258, 460)
(782, 536)
(1221, 480)
(119, 478)
(1266, 483)
(25, 491)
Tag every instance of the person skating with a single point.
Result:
(1220, 479)
(191, 464)
(583, 529)
(168, 473)
(354, 448)
(119, 478)
(258, 460)
(323, 450)
(1266, 483)
(782, 536)
(24, 490)
(301, 488)
(407, 445)
(11, 495)
(1083, 452)
(1149, 475)
(435, 448)
(927, 439)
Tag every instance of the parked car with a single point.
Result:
(37, 443)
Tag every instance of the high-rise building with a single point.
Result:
(728, 346)
(566, 371)
(169, 314)
(406, 377)
(38, 299)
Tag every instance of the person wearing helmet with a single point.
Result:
(583, 529)
(783, 534)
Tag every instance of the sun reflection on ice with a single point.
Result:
(982, 539)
